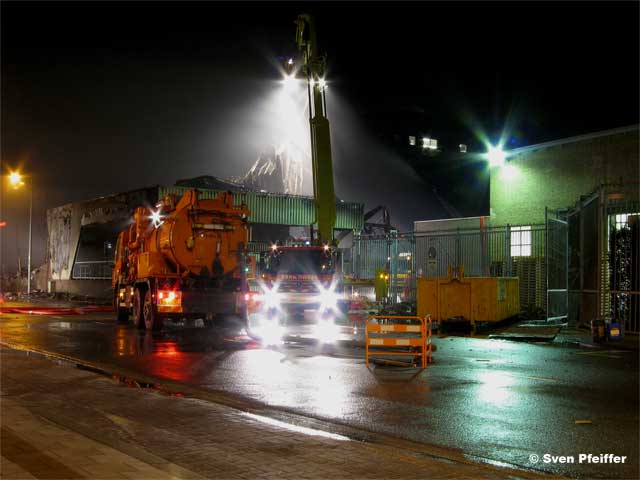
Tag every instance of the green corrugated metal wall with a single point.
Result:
(282, 209)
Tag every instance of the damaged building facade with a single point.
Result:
(82, 235)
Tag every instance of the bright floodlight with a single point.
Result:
(15, 179)
(322, 84)
(496, 156)
(289, 82)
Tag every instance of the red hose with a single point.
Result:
(56, 310)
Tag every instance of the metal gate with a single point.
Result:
(557, 258)
(603, 257)
(623, 272)
(583, 224)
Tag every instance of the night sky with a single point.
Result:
(99, 98)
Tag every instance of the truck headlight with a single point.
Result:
(268, 299)
(271, 298)
(328, 299)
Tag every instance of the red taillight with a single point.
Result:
(169, 297)
(252, 297)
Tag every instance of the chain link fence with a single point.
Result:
(508, 251)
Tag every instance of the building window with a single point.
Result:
(429, 143)
(521, 241)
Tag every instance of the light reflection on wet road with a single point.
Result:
(493, 399)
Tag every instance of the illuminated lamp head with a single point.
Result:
(156, 217)
(15, 179)
(496, 156)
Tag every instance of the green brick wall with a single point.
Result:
(557, 175)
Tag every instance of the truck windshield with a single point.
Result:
(301, 262)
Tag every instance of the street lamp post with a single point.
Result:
(29, 251)
(16, 181)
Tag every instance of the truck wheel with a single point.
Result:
(150, 313)
(136, 317)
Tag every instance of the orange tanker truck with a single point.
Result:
(184, 259)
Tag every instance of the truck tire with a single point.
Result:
(136, 317)
(150, 313)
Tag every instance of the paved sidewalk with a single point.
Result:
(62, 422)
(33, 447)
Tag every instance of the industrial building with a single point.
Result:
(558, 173)
(563, 218)
(82, 235)
(573, 205)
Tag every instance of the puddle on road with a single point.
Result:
(490, 361)
(65, 325)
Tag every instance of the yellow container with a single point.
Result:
(476, 299)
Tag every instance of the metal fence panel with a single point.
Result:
(621, 271)
(402, 273)
(369, 255)
(557, 268)
(482, 252)
(92, 270)
(584, 261)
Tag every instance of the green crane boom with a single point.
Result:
(314, 67)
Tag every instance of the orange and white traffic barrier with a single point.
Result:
(382, 339)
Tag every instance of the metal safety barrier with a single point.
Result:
(400, 336)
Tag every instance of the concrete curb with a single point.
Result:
(168, 387)
(602, 346)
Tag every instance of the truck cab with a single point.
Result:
(297, 285)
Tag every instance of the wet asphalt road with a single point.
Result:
(498, 400)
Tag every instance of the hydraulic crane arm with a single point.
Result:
(314, 67)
